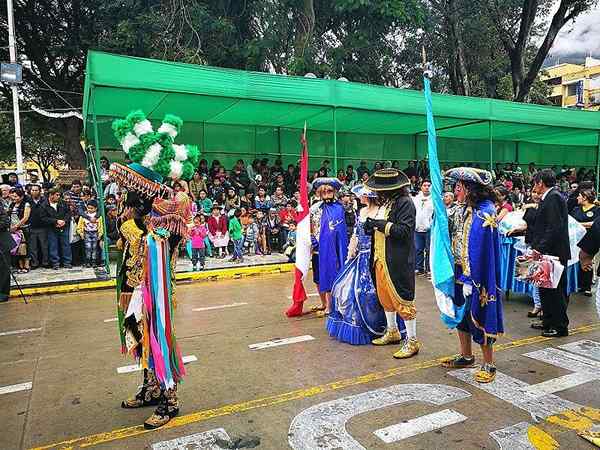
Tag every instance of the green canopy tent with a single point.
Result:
(233, 114)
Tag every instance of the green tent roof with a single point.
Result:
(241, 112)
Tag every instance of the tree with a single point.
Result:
(518, 23)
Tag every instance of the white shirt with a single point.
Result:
(546, 193)
(424, 207)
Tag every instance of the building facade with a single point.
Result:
(575, 85)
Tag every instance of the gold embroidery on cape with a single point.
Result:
(488, 220)
(406, 308)
(135, 245)
(465, 242)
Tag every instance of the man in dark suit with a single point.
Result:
(550, 236)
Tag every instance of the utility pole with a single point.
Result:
(15, 90)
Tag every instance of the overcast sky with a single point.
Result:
(577, 40)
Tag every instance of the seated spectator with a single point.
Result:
(58, 217)
(216, 189)
(289, 179)
(278, 182)
(197, 184)
(278, 199)
(262, 200)
(104, 170)
(341, 175)
(363, 169)
(286, 216)
(247, 201)
(19, 211)
(351, 175)
(274, 233)
(204, 204)
(203, 168)
(232, 201)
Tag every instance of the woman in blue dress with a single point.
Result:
(356, 315)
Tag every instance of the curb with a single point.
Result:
(208, 275)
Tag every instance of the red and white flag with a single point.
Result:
(303, 241)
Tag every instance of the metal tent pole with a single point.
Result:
(335, 161)
(99, 187)
(15, 90)
(490, 137)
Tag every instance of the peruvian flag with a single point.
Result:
(303, 241)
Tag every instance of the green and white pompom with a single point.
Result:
(171, 125)
(156, 150)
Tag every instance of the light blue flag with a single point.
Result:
(441, 260)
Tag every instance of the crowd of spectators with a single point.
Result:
(238, 211)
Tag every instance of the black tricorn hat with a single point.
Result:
(387, 180)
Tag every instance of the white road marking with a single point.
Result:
(210, 308)
(278, 342)
(114, 319)
(314, 294)
(419, 425)
(198, 441)
(323, 426)
(26, 330)
(16, 388)
(587, 348)
(539, 400)
(514, 437)
(137, 367)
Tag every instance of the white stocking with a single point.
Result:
(390, 318)
(411, 328)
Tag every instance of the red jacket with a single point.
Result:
(287, 216)
(215, 226)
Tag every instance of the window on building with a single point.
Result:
(572, 89)
(554, 81)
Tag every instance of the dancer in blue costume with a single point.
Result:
(356, 314)
(329, 239)
(476, 248)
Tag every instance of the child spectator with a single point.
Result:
(261, 222)
(217, 232)
(235, 232)
(262, 200)
(232, 201)
(251, 240)
(204, 203)
(289, 249)
(198, 233)
(91, 229)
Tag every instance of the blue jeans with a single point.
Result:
(238, 248)
(535, 293)
(91, 247)
(59, 248)
(422, 250)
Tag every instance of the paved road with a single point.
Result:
(307, 393)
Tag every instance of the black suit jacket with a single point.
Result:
(550, 234)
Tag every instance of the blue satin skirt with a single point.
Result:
(356, 315)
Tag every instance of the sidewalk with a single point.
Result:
(47, 281)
